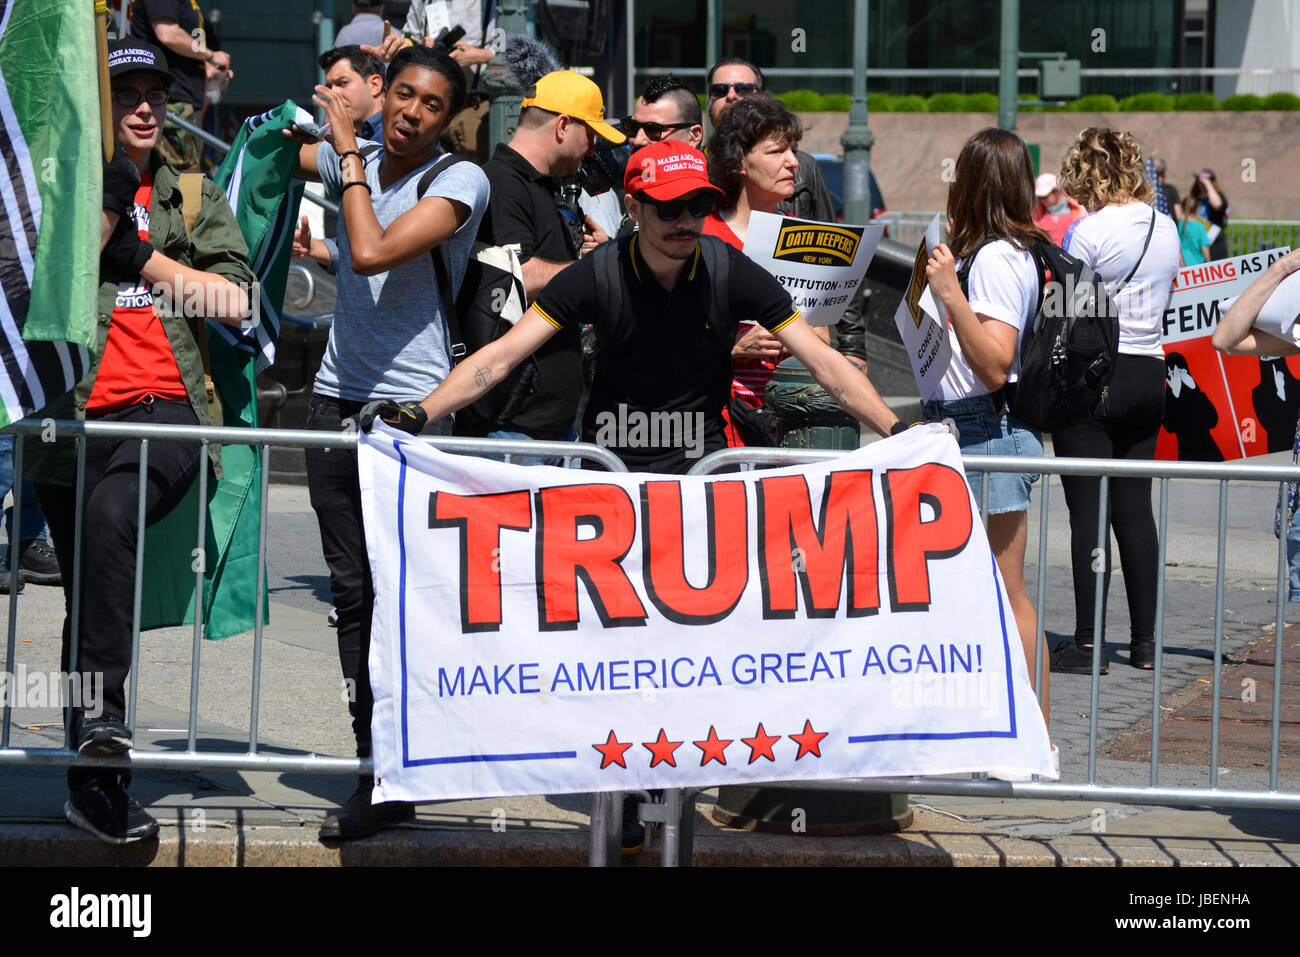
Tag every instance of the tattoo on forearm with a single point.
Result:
(482, 376)
(839, 397)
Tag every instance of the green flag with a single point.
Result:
(50, 186)
(256, 176)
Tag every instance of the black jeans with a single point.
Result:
(109, 535)
(1127, 430)
(335, 490)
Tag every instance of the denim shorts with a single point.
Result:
(1293, 558)
(984, 430)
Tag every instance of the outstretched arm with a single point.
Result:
(1235, 334)
(851, 389)
(478, 373)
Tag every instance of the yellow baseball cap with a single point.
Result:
(571, 93)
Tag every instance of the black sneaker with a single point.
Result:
(360, 818)
(105, 810)
(37, 563)
(1142, 654)
(633, 829)
(4, 580)
(103, 737)
(1073, 659)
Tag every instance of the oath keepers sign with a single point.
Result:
(819, 264)
(542, 630)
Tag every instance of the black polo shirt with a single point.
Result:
(663, 357)
(524, 209)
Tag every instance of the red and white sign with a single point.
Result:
(542, 630)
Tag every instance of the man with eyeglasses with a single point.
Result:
(665, 110)
(562, 117)
(666, 298)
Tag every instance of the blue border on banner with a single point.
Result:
(952, 735)
(407, 761)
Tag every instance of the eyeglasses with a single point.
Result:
(133, 97)
(718, 90)
(669, 210)
(654, 131)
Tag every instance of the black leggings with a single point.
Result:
(1134, 408)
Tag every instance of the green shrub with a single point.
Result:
(801, 101)
(1241, 102)
(836, 102)
(980, 102)
(877, 102)
(1282, 101)
(946, 103)
(1195, 102)
(1147, 103)
(906, 104)
(1095, 103)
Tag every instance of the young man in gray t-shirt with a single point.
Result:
(389, 339)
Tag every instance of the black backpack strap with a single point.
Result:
(1133, 272)
(963, 274)
(717, 260)
(441, 270)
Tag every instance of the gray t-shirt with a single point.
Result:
(389, 338)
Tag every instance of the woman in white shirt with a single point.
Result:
(990, 222)
(1136, 250)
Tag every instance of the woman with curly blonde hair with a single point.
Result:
(1135, 251)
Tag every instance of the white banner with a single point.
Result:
(1202, 294)
(819, 264)
(922, 327)
(541, 630)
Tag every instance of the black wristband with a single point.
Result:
(899, 426)
(355, 182)
(347, 153)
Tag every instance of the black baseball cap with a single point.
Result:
(135, 56)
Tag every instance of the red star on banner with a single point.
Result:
(612, 751)
(809, 742)
(661, 749)
(760, 745)
(713, 746)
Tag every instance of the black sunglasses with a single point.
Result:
(654, 131)
(718, 90)
(133, 97)
(669, 210)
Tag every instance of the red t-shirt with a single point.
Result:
(137, 361)
(749, 376)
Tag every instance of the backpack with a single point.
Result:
(1069, 349)
(491, 299)
(756, 426)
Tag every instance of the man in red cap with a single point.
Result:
(664, 325)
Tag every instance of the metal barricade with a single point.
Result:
(192, 758)
(1249, 235)
(1154, 793)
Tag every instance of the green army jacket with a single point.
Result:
(216, 246)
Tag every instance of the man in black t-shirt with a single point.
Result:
(558, 128)
(658, 355)
(177, 27)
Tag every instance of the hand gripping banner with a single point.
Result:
(543, 630)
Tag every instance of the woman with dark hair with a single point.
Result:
(1135, 252)
(991, 229)
(1213, 209)
(752, 160)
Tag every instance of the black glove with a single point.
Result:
(407, 416)
(125, 255)
(121, 180)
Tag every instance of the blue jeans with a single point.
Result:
(1293, 558)
(569, 436)
(985, 429)
(33, 521)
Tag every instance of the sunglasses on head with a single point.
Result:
(718, 90)
(133, 97)
(654, 131)
(669, 210)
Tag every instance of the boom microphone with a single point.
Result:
(529, 59)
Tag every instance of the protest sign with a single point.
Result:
(1219, 407)
(922, 327)
(541, 630)
(819, 264)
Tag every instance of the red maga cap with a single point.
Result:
(667, 170)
